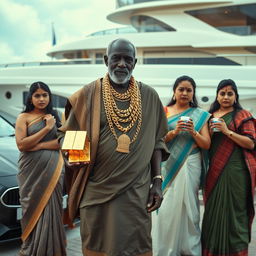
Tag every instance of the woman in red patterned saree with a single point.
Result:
(230, 182)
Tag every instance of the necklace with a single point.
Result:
(122, 119)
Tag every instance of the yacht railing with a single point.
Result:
(122, 3)
(114, 31)
(223, 59)
(48, 63)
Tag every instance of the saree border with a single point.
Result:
(36, 120)
(44, 200)
(243, 252)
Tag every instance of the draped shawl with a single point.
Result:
(181, 146)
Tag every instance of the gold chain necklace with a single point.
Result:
(116, 117)
(122, 96)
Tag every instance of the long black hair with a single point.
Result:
(223, 83)
(49, 109)
(193, 103)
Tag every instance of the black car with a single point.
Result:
(10, 209)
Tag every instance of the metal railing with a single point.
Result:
(223, 59)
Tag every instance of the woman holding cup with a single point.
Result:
(230, 181)
(175, 229)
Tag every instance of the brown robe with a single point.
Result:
(113, 211)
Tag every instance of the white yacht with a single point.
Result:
(208, 40)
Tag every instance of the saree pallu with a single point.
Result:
(229, 192)
(40, 185)
(181, 146)
(175, 226)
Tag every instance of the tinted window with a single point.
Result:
(6, 129)
(239, 19)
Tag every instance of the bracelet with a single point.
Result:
(158, 177)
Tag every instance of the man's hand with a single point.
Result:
(74, 166)
(155, 196)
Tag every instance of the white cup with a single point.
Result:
(215, 120)
(185, 119)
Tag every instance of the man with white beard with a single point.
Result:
(117, 191)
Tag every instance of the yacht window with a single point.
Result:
(239, 19)
(79, 55)
(148, 24)
(112, 31)
(251, 49)
(205, 99)
(99, 58)
(190, 61)
(69, 55)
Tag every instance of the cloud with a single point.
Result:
(20, 27)
(7, 53)
(21, 19)
(26, 25)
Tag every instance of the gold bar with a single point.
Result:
(68, 140)
(78, 146)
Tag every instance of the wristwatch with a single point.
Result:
(158, 177)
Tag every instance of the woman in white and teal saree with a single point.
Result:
(175, 226)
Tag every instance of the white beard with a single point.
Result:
(119, 80)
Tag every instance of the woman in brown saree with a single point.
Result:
(230, 182)
(40, 178)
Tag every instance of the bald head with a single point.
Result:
(120, 41)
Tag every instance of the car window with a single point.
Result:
(6, 129)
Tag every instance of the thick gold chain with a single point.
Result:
(116, 116)
(122, 96)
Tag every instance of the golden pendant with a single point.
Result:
(123, 144)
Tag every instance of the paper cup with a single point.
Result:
(215, 120)
(185, 119)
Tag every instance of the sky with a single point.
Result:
(26, 25)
